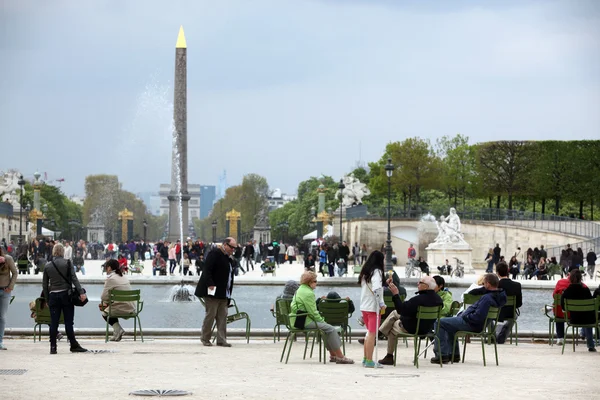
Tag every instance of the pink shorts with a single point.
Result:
(370, 319)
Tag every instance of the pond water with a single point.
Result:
(160, 312)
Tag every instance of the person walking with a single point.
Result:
(249, 255)
(59, 278)
(214, 288)
(591, 261)
(8, 278)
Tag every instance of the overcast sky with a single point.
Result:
(285, 89)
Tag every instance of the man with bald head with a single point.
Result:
(215, 287)
(404, 317)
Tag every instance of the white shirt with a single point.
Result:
(371, 294)
(68, 252)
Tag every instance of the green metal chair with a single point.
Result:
(280, 319)
(23, 266)
(236, 316)
(12, 298)
(335, 313)
(423, 313)
(389, 305)
(487, 333)
(119, 296)
(470, 299)
(454, 308)
(588, 305)
(286, 309)
(552, 318)
(42, 317)
(511, 301)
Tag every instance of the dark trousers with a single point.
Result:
(331, 269)
(216, 310)
(61, 303)
(111, 321)
(249, 263)
(321, 264)
(172, 264)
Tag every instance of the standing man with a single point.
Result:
(249, 255)
(355, 252)
(215, 287)
(344, 252)
(257, 252)
(591, 260)
(496, 257)
(511, 288)
(412, 253)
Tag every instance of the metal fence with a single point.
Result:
(586, 246)
(526, 219)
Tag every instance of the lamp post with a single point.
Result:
(389, 170)
(145, 229)
(341, 186)
(21, 183)
(40, 221)
(214, 228)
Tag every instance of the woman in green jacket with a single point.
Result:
(305, 302)
(445, 294)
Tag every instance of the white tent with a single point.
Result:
(313, 235)
(47, 232)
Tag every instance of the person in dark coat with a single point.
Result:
(214, 287)
(404, 317)
(591, 261)
(496, 257)
(511, 288)
(577, 291)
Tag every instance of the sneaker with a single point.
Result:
(559, 342)
(78, 349)
(3, 347)
(372, 364)
(387, 360)
(445, 359)
(591, 349)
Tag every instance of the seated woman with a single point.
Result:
(335, 296)
(288, 292)
(578, 291)
(529, 268)
(159, 265)
(513, 267)
(309, 263)
(115, 280)
(122, 263)
(424, 266)
(554, 268)
(541, 273)
(305, 302)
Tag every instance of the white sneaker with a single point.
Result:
(559, 342)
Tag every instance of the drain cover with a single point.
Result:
(101, 351)
(392, 375)
(160, 392)
(12, 371)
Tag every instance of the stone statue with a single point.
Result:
(9, 187)
(449, 229)
(354, 191)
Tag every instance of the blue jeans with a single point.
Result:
(61, 303)
(448, 328)
(4, 301)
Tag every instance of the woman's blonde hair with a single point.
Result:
(480, 280)
(307, 277)
(58, 250)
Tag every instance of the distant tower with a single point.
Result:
(179, 187)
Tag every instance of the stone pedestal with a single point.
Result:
(95, 233)
(438, 254)
(262, 234)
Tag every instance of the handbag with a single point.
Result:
(301, 319)
(74, 294)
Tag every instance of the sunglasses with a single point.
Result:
(230, 246)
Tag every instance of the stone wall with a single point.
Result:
(481, 236)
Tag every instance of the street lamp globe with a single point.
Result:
(389, 168)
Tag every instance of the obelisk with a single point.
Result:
(178, 196)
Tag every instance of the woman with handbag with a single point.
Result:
(305, 302)
(115, 280)
(59, 279)
(8, 278)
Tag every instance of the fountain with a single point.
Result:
(183, 293)
(449, 243)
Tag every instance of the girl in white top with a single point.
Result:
(371, 302)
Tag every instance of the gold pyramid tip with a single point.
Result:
(181, 44)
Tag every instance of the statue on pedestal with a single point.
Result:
(353, 192)
(449, 229)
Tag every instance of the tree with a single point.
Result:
(504, 167)
(457, 166)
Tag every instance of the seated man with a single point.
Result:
(472, 319)
(158, 264)
(404, 317)
(444, 294)
(267, 266)
(511, 288)
(445, 269)
(309, 263)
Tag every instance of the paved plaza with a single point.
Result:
(253, 371)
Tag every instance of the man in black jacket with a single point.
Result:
(591, 261)
(344, 252)
(215, 287)
(249, 255)
(404, 318)
(511, 288)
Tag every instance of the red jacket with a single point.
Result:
(561, 285)
(177, 248)
(411, 255)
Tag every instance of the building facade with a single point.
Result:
(277, 199)
(208, 196)
(193, 204)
